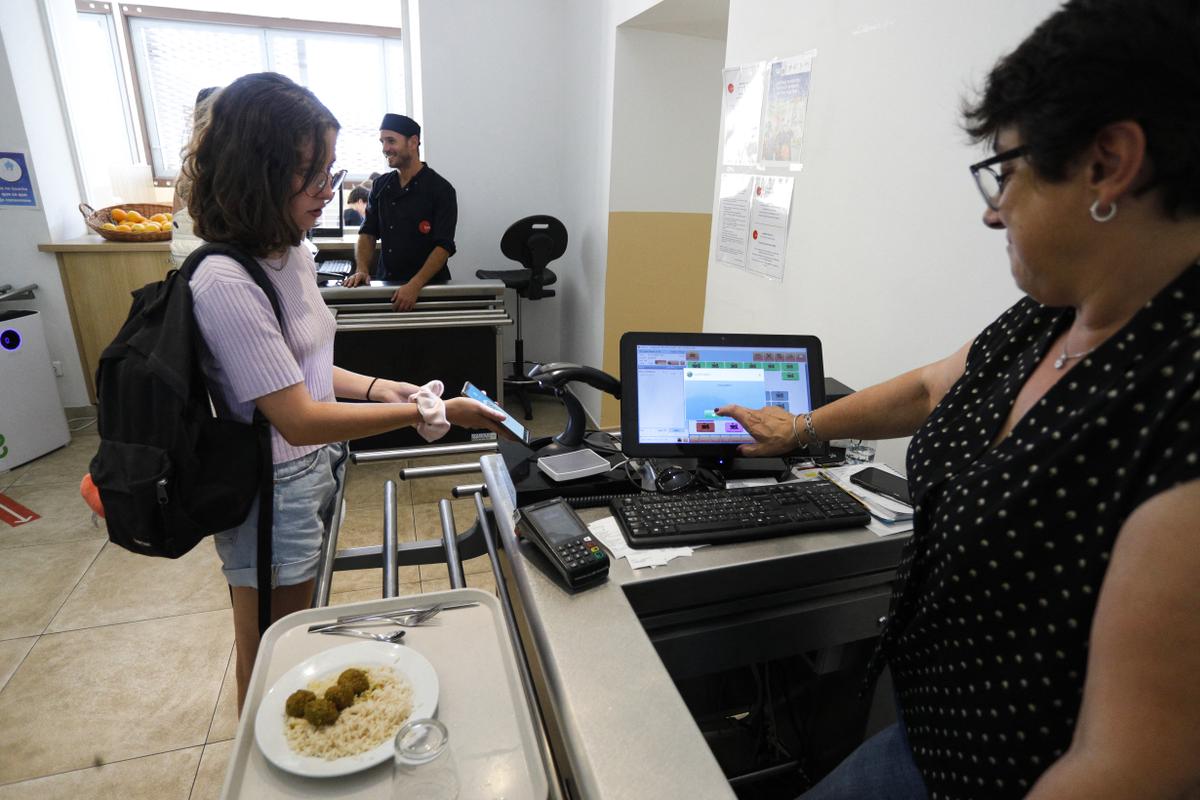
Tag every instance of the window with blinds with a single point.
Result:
(357, 77)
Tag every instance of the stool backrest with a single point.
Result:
(534, 242)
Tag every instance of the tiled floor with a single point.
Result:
(116, 670)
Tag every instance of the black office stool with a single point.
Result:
(533, 242)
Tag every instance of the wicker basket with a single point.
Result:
(95, 218)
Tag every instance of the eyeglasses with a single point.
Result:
(990, 181)
(318, 185)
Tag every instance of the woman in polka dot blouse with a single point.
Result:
(1044, 636)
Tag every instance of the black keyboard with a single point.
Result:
(338, 267)
(729, 515)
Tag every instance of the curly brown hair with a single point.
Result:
(1095, 62)
(241, 164)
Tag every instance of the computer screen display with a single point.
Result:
(330, 224)
(672, 383)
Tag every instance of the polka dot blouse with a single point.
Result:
(988, 635)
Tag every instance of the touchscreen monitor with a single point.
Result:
(330, 223)
(672, 383)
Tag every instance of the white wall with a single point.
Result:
(589, 36)
(887, 259)
(666, 119)
(32, 122)
(494, 102)
(586, 130)
(518, 110)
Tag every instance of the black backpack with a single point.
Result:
(168, 471)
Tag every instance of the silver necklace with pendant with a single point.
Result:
(1064, 356)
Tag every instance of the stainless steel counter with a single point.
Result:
(617, 719)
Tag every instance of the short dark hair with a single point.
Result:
(242, 164)
(1095, 62)
(374, 176)
(356, 194)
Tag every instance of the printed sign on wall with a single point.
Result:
(16, 187)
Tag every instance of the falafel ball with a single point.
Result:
(355, 680)
(340, 696)
(320, 712)
(296, 702)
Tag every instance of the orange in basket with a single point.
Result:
(130, 214)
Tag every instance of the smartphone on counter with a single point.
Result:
(475, 393)
(882, 482)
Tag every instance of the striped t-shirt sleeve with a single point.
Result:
(241, 331)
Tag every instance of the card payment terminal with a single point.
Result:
(556, 530)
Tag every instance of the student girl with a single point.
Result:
(260, 175)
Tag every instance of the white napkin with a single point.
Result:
(607, 531)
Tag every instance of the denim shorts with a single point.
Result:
(305, 490)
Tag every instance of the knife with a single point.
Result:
(400, 611)
(380, 617)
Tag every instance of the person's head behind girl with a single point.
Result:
(259, 169)
(358, 198)
(195, 129)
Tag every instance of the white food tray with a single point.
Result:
(480, 701)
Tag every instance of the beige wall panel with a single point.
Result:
(657, 273)
(98, 290)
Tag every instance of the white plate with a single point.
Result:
(270, 719)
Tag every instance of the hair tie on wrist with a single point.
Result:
(369, 388)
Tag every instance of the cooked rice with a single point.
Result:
(373, 719)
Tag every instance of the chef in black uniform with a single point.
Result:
(414, 211)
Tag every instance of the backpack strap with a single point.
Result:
(266, 522)
(250, 264)
(266, 476)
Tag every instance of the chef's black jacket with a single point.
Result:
(411, 221)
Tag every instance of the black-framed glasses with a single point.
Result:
(318, 185)
(991, 181)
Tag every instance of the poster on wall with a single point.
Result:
(741, 114)
(789, 82)
(733, 219)
(16, 187)
(770, 213)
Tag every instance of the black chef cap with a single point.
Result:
(405, 126)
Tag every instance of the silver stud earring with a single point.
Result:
(1096, 215)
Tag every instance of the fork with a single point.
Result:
(390, 638)
(418, 614)
(408, 620)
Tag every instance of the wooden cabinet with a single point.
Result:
(98, 277)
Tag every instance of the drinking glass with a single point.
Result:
(860, 451)
(424, 765)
